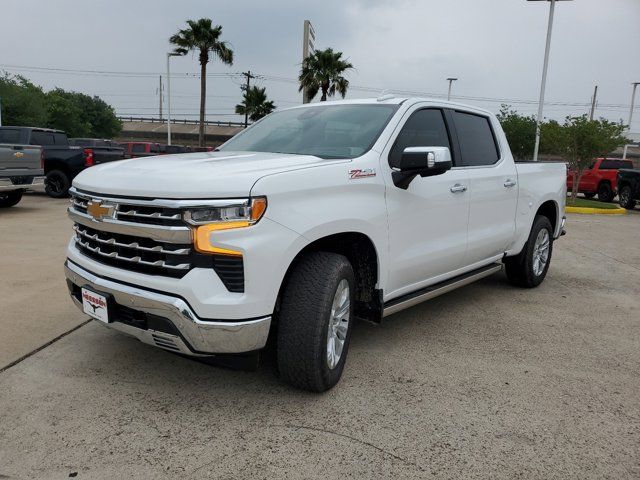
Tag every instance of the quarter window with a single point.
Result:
(477, 142)
(425, 128)
(42, 138)
(9, 135)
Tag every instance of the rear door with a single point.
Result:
(493, 189)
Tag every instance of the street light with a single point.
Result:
(450, 80)
(544, 73)
(633, 101)
(169, 55)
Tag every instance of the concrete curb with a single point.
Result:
(596, 211)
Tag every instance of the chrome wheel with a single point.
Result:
(338, 323)
(541, 252)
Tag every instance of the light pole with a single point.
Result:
(450, 80)
(633, 102)
(169, 55)
(544, 74)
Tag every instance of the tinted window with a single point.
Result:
(154, 148)
(137, 147)
(9, 135)
(42, 138)
(425, 128)
(615, 164)
(326, 131)
(477, 143)
(80, 142)
(61, 138)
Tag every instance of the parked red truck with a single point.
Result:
(600, 178)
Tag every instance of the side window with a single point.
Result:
(137, 148)
(41, 138)
(424, 128)
(477, 143)
(10, 135)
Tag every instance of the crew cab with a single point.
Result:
(628, 188)
(21, 169)
(312, 217)
(140, 149)
(62, 162)
(600, 178)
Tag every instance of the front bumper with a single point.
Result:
(166, 321)
(37, 184)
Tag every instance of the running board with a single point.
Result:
(427, 293)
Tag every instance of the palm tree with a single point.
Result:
(322, 71)
(255, 104)
(204, 38)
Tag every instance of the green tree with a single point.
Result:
(204, 38)
(81, 115)
(580, 141)
(22, 102)
(520, 131)
(255, 104)
(323, 71)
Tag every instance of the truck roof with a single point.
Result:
(39, 129)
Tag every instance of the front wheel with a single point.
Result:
(605, 193)
(9, 199)
(529, 268)
(315, 321)
(626, 198)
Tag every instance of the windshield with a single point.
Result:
(326, 131)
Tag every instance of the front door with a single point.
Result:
(428, 220)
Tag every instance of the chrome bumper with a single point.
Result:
(198, 337)
(37, 184)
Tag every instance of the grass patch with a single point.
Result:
(583, 202)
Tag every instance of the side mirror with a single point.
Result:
(423, 161)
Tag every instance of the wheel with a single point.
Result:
(529, 267)
(605, 193)
(57, 184)
(589, 195)
(625, 198)
(315, 321)
(9, 199)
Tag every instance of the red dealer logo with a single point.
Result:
(95, 302)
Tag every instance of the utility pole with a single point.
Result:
(160, 96)
(246, 90)
(633, 102)
(169, 55)
(308, 37)
(450, 80)
(593, 102)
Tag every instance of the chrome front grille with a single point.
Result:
(134, 253)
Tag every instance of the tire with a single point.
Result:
(521, 270)
(305, 321)
(625, 198)
(10, 199)
(605, 193)
(589, 195)
(57, 184)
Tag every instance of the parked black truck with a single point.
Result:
(103, 150)
(62, 161)
(628, 188)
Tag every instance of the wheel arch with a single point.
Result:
(551, 210)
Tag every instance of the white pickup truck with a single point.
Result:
(311, 218)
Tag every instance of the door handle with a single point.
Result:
(509, 183)
(458, 188)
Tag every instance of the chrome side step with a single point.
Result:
(427, 293)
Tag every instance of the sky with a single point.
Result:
(116, 49)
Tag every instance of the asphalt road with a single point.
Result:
(489, 381)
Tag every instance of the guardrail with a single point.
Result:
(216, 123)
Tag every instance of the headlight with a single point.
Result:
(224, 216)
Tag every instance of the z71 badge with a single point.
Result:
(362, 173)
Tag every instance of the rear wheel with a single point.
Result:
(605, 193)
(57, 184)
(9, 199)
(315, 321)
(589, 195)
(625, 198)
(529, 268)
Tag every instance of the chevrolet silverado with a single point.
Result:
(312, 217)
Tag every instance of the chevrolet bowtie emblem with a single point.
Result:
(18, 154)
(99, 211)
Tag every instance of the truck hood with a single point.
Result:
(190, 175)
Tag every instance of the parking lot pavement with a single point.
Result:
(486, 382)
